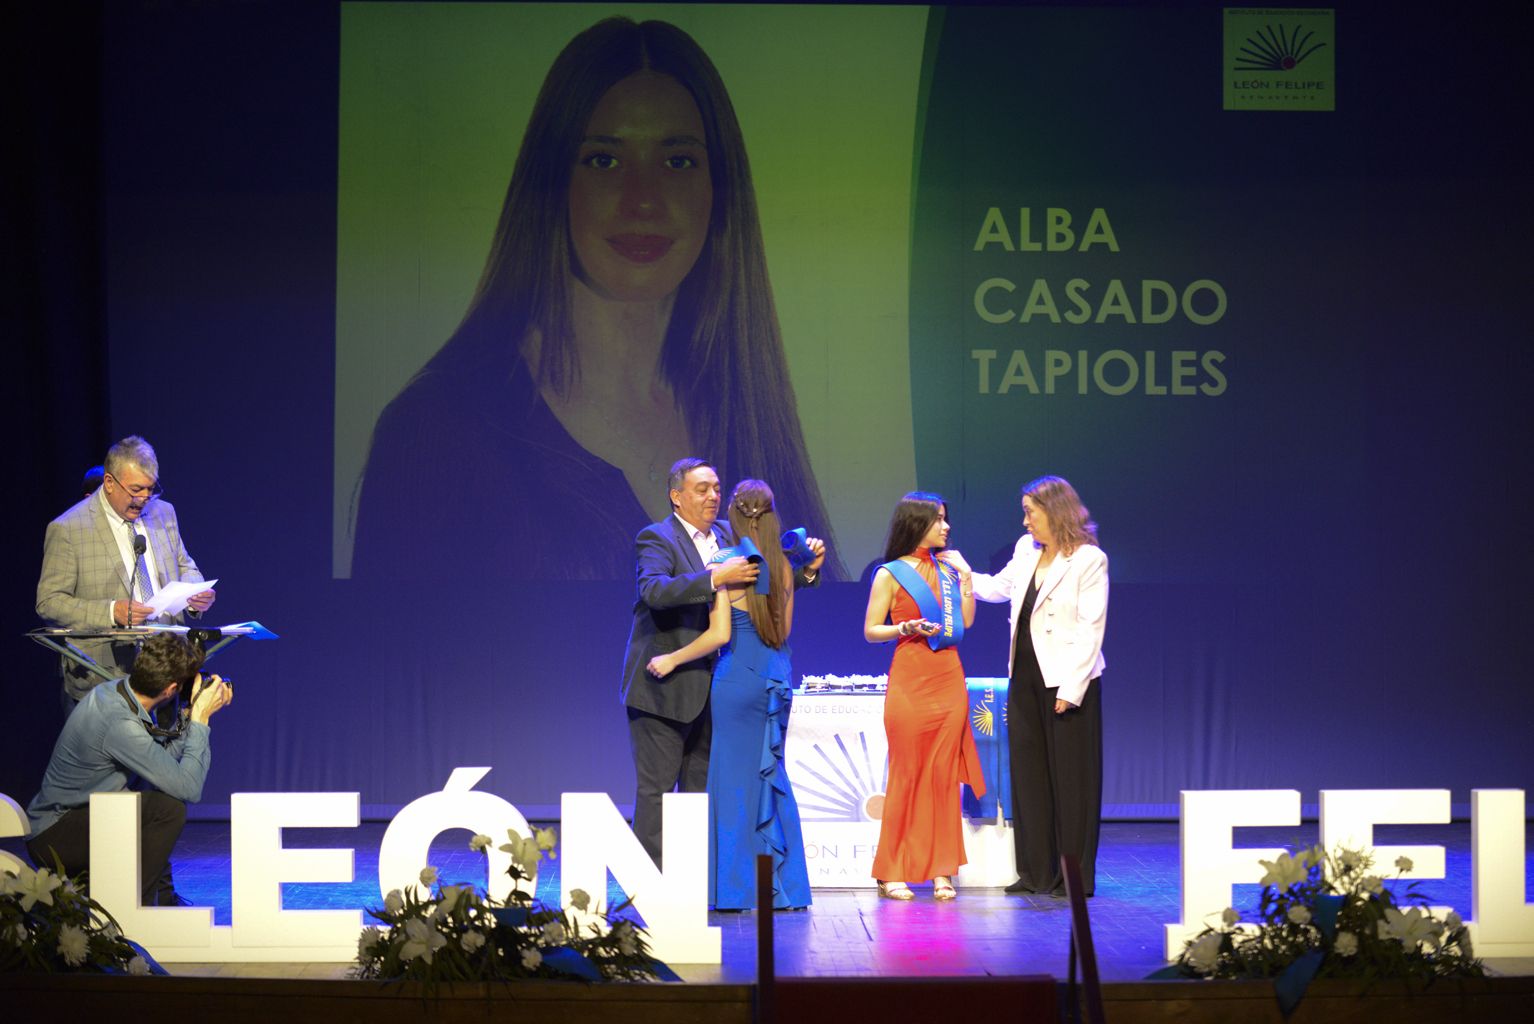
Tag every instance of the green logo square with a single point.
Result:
(1280, 59)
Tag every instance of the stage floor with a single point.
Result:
(854, 932)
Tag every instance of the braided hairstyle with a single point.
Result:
(752, 515)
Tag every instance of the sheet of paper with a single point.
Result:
(172, 598)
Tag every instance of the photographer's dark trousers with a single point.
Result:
(161, 819)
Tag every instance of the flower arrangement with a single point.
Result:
(458, 933)
(1330, 916)
(48, 924)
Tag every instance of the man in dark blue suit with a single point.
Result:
(669, 724)
(668, 718)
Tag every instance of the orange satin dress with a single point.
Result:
(931, 751)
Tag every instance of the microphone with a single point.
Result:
(140, 545)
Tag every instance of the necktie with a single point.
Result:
(141, 573)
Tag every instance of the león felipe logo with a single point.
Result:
(1280, 59)
(1280, 48)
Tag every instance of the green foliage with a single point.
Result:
(1333, 909)
(49, 925)
(456, 933)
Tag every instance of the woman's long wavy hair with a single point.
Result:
(1069, 521)
(913, 517)
(723, 352)
(752, 515)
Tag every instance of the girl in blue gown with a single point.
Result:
(751, 804)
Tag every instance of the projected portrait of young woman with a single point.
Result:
(623, 319)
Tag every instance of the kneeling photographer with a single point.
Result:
(112, 742)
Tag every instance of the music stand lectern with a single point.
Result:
(62, 640)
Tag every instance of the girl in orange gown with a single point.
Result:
(926, 710)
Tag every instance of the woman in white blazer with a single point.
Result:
(1057, 581)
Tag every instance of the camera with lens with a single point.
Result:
(199, 636)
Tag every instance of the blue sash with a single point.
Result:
(796, 549)
(747, 550)
(933, 610)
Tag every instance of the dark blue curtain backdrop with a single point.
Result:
(53, 389)
(1332, 590)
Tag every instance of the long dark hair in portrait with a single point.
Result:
(752, 515)
(913, 517)
(722, 354)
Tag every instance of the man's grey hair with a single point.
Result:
(132, 451)
(681, 468)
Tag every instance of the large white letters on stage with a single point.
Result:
(259, 864)
(1503, 921)
(1211, 863)
(1348, 817)
(673, 902)
(13, 822)
(596, 839)
(407, 841)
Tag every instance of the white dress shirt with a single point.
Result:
(123, 532)
(706, 541)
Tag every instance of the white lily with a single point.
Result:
(1286, 871)
(421, 940)
(32, 887)
(1411, 927)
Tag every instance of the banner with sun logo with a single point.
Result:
(838, 759)
(988, 721)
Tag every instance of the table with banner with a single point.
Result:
(838, 759)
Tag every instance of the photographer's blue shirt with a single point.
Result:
(106, 747)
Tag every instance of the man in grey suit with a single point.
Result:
(96, 574)
(669, 726)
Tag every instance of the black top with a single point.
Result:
(1025, 665)
(469, 476)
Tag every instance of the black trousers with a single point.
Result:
(161, 819)
(1057, 781)
(668, 755)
